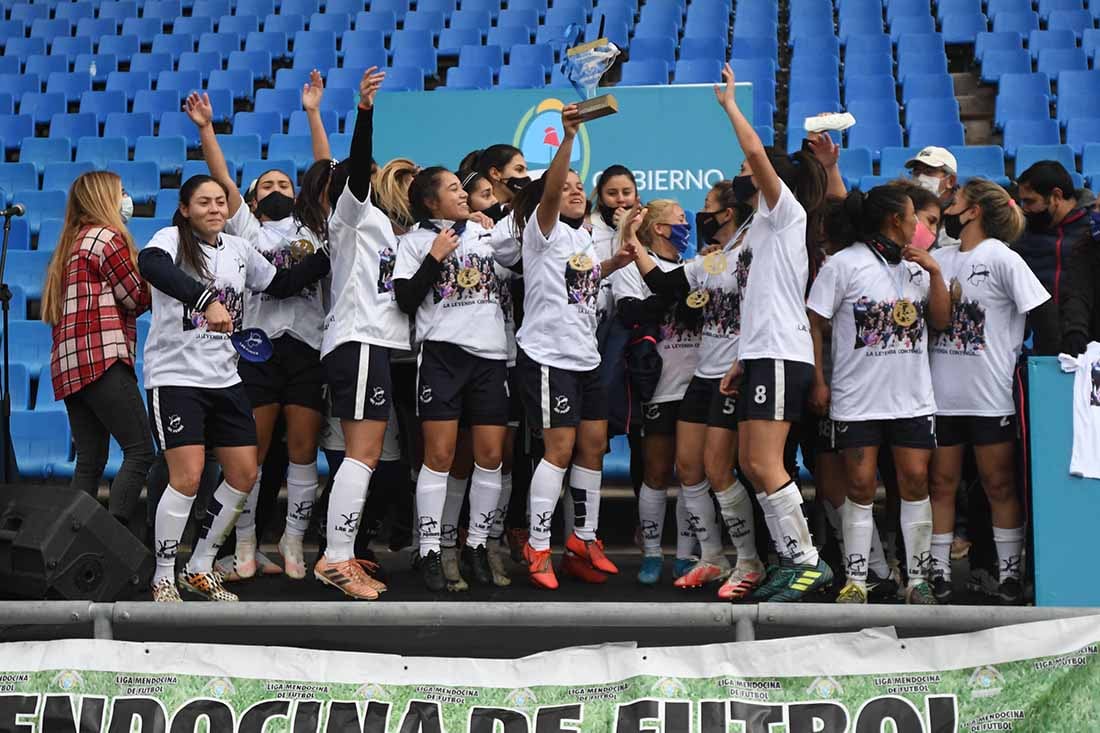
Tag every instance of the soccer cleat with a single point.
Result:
(984, 581)
(576, 567)
(517, 541)
(592, 552)
(960, 548)
(451, 571)
(883, 590)
(942, 589)
(704, 572)
(793, 582)
(539, 567)
(1011, 592)
(682, 565)
(497, 553)
(244, 559)
(165, 591)
(852, 593)
(374, 574)
(745, 578)
(475, 562)
(349, 577)
(431, 570)
(207, 585)
(920, 594)
(776, 578)
(650, 572)
(294, 562)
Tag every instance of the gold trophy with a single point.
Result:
(584, 66)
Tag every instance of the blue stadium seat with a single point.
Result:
(1024, 85)
(1026, 155)
(69, 83)
(1012, 106)
(264, 124)
(20, 235)
(42, 65)
(934, 63)
(617, 32)
(537, 53)
(20, 84)
(210, 8)
(565, 15)
(166, 202)
(29, 268)
(660, 49)
(346, 78)
(259, 8)
(478, 20)
(167, 152)
(492, 7)
(300, 7)
(386, 22)
(363, 56)
(996, 63)
(1082, 131)
(1029, 132)
(869, 63)
(254, 168)
(933, 110)
(987, 161)
(697, 47)
(1022, 22)
(238, 25)
(697, 71)
(281, 101)
(404, 79)
(128, 82)
(469, 77)
(20, 381)
(296, 148)
(539, 6)
(555, 36)
(151, 63)
(165, 10)
(919, 44)
(18, 176)
(420, 58)
(1039, 40)
(527, 19)
(1090, 41)
(221, 43)
(451, 41)
(130, 126)
(1075, 21)
(753, 47)
(1046, 7)
(508, 36)
(942, 134)
(240, 146)
(74, 126)
(202, 61)
(13, 128)
(522, 76)
(1090, 159)
(38, 151)
(1055, 60)
(883, 110)
(41, 106)
(102, 63)
(142, 230)
(156, 103)
(635, 73)
(143, 29)
(827, 45)
(99, 151)
(60, 176)
(859, 25)
(1077, 105)
(315, 58)
(41, 440)
(70, 46)
(237, 81)
(851, 8)
(908, 24)
(25, 47)
(10, 65)
(178, 123)
(916, 86)
(823, 90)
(491, 56)
(877, 86)
(44, 402)
(99, 27)
(875, 137)
(299, 122)
(140, 178)
(1007, 6)
(51, 29)
(398, 7)
(194, 25)
(961, 28)
(810, 25)
(855, 163)
(183, 81)
(124, 46)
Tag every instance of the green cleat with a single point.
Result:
(801, 580)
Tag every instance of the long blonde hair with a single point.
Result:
(656, 210)
(93, 201)
(1001, 217)
(391, 190)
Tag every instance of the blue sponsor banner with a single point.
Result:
(676, 139)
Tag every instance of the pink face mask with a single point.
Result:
(923, 238)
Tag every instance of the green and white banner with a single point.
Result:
(1038, 677)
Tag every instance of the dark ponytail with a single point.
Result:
(524, 204)
(190, 253)
(862, 215)
(495, 156)
(424, 188)
(804, 175)
(307, 207)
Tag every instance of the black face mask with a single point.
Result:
(706, 228)
(275, 206)
(575, 223)
(887, 248)
(607, 213)
(494, 212)
(743, 188)
(953, 225)
(1039, 221)
(517, 183)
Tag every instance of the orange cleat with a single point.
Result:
(592, 552)
(578, 568)
(704, 572)
(538, 565)
(745, 578)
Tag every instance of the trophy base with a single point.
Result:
(597, 107)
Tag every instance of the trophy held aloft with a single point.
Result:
(585, 65)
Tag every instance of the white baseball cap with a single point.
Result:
(935, 157)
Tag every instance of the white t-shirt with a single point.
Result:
(680, 337)
(605, 241)
(774, 324)
(504, 241)
(363, 251)
(507, 307)
(1085, 457)
(559, 303)
(470, 318)
(880, 369)
(974, 359)
(301, 316)
(180, 352)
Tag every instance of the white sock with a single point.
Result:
(701, 517)
(173, 511)
(484, 495)
(736, 508)
(246, 523)
(916, 533)
(545, 490)
(452, 510)
(941, 554)
(221, 514)
(414, 547)
(685, 538)
(835, 522)
(345, 504)
(301, 488)
(859, 526)
(651, 517)
(1010, 549)
(771, 519)
(502, 506)
(877, 560)
(584, 486)
(431, 502)
(794, 532)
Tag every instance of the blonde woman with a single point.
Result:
(390, 191)
(92, 298)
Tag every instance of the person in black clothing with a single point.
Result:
(1080, 307)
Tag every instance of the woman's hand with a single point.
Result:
(570, 120)
(218, 319)
(481, 218)
(921, 257)
(824, 149)
(632, 222)
(445, 243)
(819, 398)
(731, 382)
(369, 86)
(725, 95)
(312, 92)
(627, 253)
(199, 109)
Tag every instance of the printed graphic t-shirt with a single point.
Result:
(180, 352)
(1085, 456)
(721, 315)
(974, 359)
(880, 368)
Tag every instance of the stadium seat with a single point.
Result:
(238, 82)
(151, 63)
(697, 47)
(281, 101)
(20, 235)
(1072, 105)
(859, 25)
(142, 230)
(42, 65)
(210, 8)
(469, 19)
(1026, 155)
(752, 47)
(384, 21)
(1090, 41)
(259, 8)
(22, 176)
(41, 106)
(166, 202)
(41, 440)
(157, 102)
(333, 23)
(875, 111)
(29, 268)
(961, 28)
(296, 148)
(508, 36)
(299, 122)
(183, 81)
(876, 86)
(178, 123)
(362, 56)
(469, 77)
(636, 73)
(71, 84)
(201, 61)
(875, 137)
(143, 29)
(1075, 21)
(101, 63)
(697, 71)
(73, 126)
(522, 76)
(167, 152)
(538, 53)
(933, 63)
(60, 176)
(254, 168)
(404, 79)
(1090, 159)
(1029, 132)
(942, 134)
(98, 27)
(1040, 40)
(827, 45)
(130, 126)
(140, 178)
(222, 43)
(25, 47)
(1082, 131)
(855, 163)
(996, 63)
(9, 65)
(931, 110)
(1024, 85)
(193, 25)
(1052, 61)
(927, 86)
(491, 56)
(1046, 7)
(451, 41)
(427, 20)
(38, 151)
(264, 124)
(241, 25)
(1022, 22)
(128, 82)
(659, 49)
(99, 151)
(44, 402)
(1012, 106)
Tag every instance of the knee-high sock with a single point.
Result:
(792, 526)
(736, 507)
(301, 491)
(545, 490)
(584, 487)
(1010, 547)
(173, 511)
(246, 523)
(502, 506)
(685, 536)
(704, 523)
(221, 514)
(859, 525)
(941, 554)
(835, 520)
(651, 517)
(484, 494)
(345, 505)
(877, 559)
(916, 532)
(431, 498)
(452, 510)
(771, 519)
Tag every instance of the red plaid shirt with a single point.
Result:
(103, 296)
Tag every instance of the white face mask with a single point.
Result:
(126, 208)
(929, 183)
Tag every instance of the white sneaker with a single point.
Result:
(165, 591)
(244, 558)
(294, 564)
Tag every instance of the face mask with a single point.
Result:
(953, 225)
(1039, 221)
(607, 213)
(126, 207)
(494, 212)
(570, 221)
(923, 238)
(928, 183)
(517, 183)
(679, 236)
(743, 188)
(275, 206)
(706, 228)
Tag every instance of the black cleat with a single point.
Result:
(475, 564)
(431, 569)
(942, 590)
(1010, 592)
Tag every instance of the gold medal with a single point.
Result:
(302, 248)
(905, 313)
(697, 298)
(956, 290)
(715, 263)
(468, 277)
(580, 262)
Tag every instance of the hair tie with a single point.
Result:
(1012, 202)
(469, 178)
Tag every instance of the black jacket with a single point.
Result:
(1080, 306)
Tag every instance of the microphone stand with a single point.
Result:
(9, 469)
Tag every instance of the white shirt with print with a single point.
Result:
(504, 241)
(880, 369)
(180, 352)
(505, 277)
(1085, 454)
(974, 359)
(721, 315)
(605, 241)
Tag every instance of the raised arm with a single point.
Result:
(555, 175)
(362, 142)
(202, 114)
(767, 180)
(827, 153)
(311, 103)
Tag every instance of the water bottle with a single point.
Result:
(91, 69)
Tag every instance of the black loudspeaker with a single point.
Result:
(60, 543)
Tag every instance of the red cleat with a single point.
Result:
(578, 568)
(592, 552)
(538, 565)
